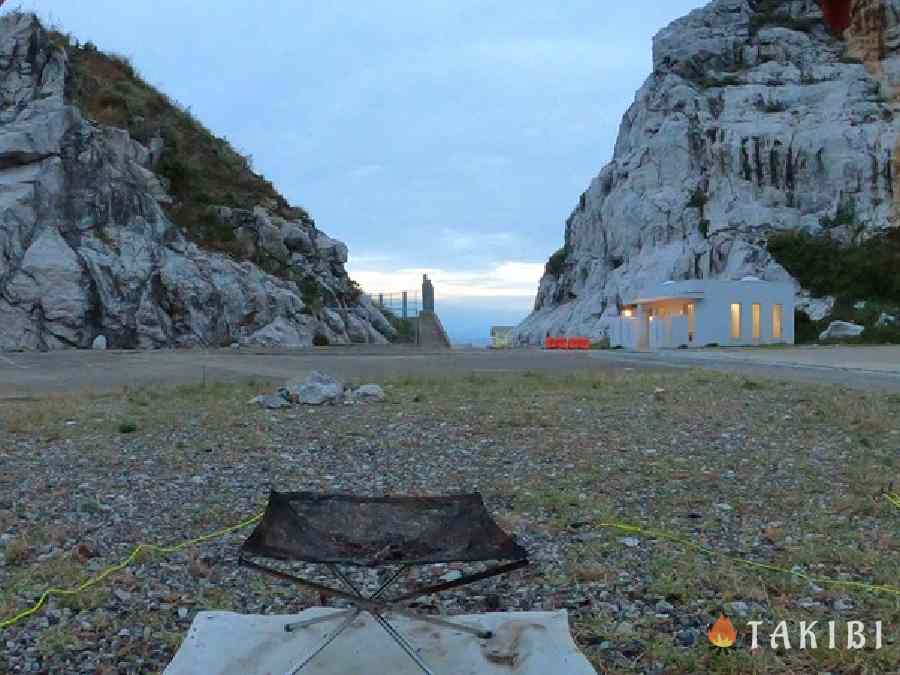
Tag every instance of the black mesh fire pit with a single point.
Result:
(379, 532)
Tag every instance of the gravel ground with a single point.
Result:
(782, 473)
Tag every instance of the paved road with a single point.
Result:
(25, 375)
(869, 368)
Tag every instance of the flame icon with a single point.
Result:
(722, 634)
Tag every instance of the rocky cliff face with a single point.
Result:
(86, 247)
(756, 118)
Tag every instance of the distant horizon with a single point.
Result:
(449, 137)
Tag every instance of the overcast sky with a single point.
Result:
(446, 136)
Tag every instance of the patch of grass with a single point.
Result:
(46, 415)
(18, 550)
(56, 640)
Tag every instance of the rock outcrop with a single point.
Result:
(87, 248)
(756, 119)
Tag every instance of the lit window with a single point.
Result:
(735, 321)
(628, 313)
(757, 321)
(692, 322)
(778, 322)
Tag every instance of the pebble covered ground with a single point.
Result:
(786, 474)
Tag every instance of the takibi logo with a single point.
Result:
(722, 634)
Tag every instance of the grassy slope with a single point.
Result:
(202, 169)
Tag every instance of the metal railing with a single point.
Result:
(405, 306)
(402, 304)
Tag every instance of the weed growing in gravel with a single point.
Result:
(127, 427)
(45, 415)
(56, 640)
(18, 551)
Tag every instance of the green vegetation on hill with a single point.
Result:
(775, 13)
(202, 169)
(554, 266)
(862, 272)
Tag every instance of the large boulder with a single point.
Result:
(841, 329)
(296, 238)
(317, 389)
(816, 308)
(331, 248)
(280, 333)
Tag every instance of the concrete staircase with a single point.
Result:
(431, 332)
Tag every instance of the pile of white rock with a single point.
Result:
(319, 389)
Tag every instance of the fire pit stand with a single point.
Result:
(379, 532)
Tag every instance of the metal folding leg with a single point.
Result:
(392, 632)
(339, 613)
(378, 608)
(345, 624)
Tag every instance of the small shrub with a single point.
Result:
(710, 82)
(772, 106)
(555, 264)
(844, 216)
(704, 228)
(698, 199)
(356, 291)
(127, 427)
(311, 294)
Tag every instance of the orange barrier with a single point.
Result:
(578, 343)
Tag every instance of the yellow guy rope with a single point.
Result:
(122, 565)
(823, 581)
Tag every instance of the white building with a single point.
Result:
(699, 313)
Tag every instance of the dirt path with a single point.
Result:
(26, 375)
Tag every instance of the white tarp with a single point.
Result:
(525, 643)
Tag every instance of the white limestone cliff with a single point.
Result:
(86, 247)
(755, 119)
